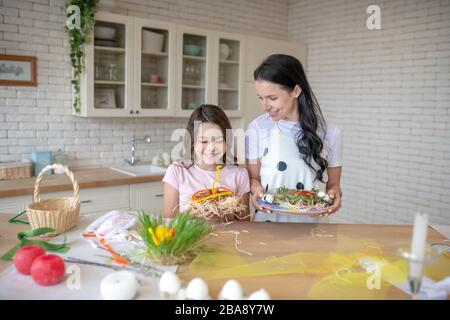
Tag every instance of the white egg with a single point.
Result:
(181, 295)
(232, 290)
(321, 194)
(268, 198)
(120, 285)
(197, 289)
(169, 283)
(261, 294)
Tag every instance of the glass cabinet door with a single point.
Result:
(229, 74)
(154, 69)
(110, 65)
(194, 71)
(154, 65)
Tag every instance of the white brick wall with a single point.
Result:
(40, 118)
(389, 91)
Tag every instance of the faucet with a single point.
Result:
(132, 161)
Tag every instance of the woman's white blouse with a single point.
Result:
(258, 136)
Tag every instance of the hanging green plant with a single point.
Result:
(79, 34)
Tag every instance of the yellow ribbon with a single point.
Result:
(215, 195)
(218, 177)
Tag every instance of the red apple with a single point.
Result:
(25, 256)
(48, 269)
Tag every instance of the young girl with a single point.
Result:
(205, 148)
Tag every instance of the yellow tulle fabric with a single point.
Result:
(340, 274)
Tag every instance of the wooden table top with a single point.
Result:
(87, 178)
(279, 239)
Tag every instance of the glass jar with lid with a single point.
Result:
(112, 72)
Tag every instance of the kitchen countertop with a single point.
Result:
(87, 178)
(280, 239)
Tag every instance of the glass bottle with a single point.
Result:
(112, 72)
(97, 69)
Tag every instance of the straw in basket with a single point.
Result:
(60, 214)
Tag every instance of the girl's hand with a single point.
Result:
(335, 206)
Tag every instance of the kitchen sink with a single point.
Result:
(140, 170)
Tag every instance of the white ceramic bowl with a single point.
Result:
(106, 33)
(224, 51)
(152, 41)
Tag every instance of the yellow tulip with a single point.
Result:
(161, 234)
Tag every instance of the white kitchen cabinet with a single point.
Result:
(194, 69)
(129, 77)
(210, 70)
(154, 68)
(147, 197)
(107, 82)
(160, 69)
(228, 73)
(134, 197)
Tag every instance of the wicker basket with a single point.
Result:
(17, 170)
(60, 214)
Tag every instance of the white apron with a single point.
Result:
(282, 166)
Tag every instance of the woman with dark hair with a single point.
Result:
(290, 145)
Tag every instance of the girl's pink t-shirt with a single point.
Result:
(190, 180)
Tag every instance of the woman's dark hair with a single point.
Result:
(288, 72)
(211, 114)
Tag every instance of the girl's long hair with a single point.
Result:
(288, 72)
(211, 114)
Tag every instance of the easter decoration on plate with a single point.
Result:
(296, 202)
(140, 241)
(217, 201)
(174, 241)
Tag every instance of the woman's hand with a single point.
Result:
(335, 206)
(257, 191)
(334, 189)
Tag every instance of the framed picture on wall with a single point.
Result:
(105, 98)
(18, 71)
